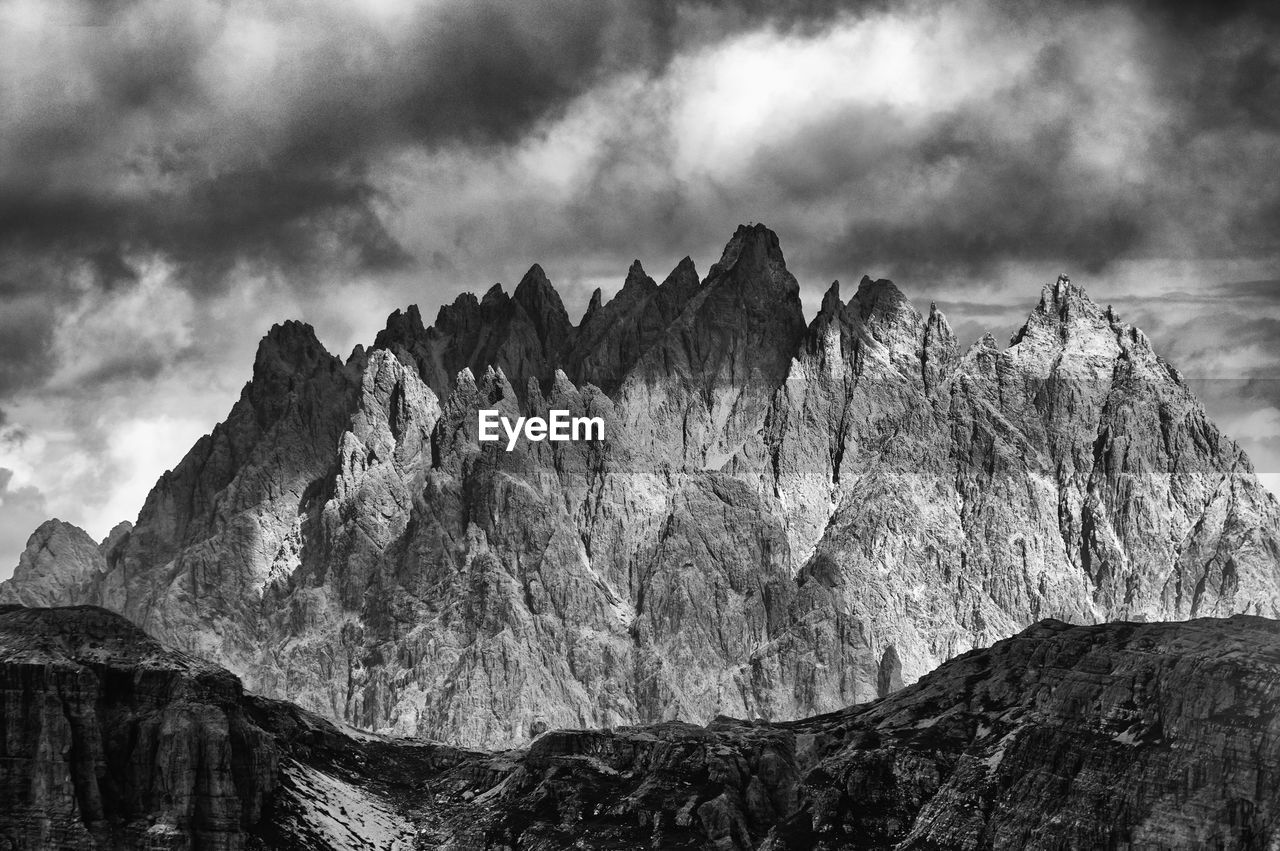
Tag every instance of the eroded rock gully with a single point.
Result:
(785, 518)
(1137, 735)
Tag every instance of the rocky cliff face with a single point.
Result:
(61, 563)
(1113, 736)
(783, 519)
(1161, 735)
(111, 741)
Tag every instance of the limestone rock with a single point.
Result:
(1129, 734)
(782, 520)
(526, 334)
(111, 741)
(61, 565)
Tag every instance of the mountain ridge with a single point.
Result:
(785, 517)
(1063, 736)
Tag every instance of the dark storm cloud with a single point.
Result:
(1137, 131)
(346, 92)
(151, 159)
(26, 328)
(1206, 183)
(215, 194)
(131, 133)
(171, 175)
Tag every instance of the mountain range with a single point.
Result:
(785, 518)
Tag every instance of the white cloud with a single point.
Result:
(22, 509)
(1256, 425)
(1271, 481)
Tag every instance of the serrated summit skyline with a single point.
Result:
(173, 178)
(784, 519)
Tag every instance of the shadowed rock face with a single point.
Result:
(111, 741)
(1159, 735)
(784, 519)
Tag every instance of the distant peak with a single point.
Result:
(870, 287)
(287, 347)
(402, 329)
(880, 296)
(685, 266)
(1061, 304)
(55, 527)
(461, 314)
(536, 292)
(637, 278)
(752, 245)
(535, 278)
(465, 304)
(290, 331)
(595, 303)
(683, 277)
(406, 324)
(1062, 292)
(831, 302)
(496, 295)
(937, 319)
(542, 304)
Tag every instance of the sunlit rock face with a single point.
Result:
(784, 518)
(60, 565)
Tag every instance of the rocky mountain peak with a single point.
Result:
(495, 298)
(781, 521)
(980, 358)
(614, 335)
(941, 350)
(683, 270)
(408, 324)
(61, 564)
(831, 302)
(637, 279)
(593, 306)
(1064, 315)
(464, 311)
(678, 287)
(1061, 286)
(535, 291)
(882, 298)
(1065, 301)
(536, 295)
(752, 247)
(404, 330)
(287, 357)
(289, 348)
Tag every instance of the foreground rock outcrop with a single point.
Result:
(784, 518)
(111, 741)
(1156, 735)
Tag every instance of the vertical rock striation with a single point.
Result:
(783, 519)
(110, 741)
(1158, 735)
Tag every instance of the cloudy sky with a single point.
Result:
(177, 176)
